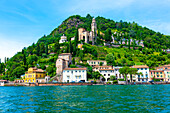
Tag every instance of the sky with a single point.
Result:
(23, 22)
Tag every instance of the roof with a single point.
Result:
(102, 66)
(75, 69)
(3, 80)
(98, 60)
(106, 69)
(140, 66)
(64, 54)
(156, 70)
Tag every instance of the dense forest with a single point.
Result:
(44, 53)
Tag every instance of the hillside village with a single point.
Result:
(89, 55)
(106, 73)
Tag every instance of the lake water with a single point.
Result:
(110, 98)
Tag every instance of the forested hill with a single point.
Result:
(151, 39)
(44, 53)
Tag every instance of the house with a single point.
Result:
(34, 75)
(74, 75)
(106, 73)
(63, 39)
(117, 73)
(73, 38)
(144, 69)
(96, 62)
(2, 82)
(97, 68)
(167, 75)
(157, 74)
(163, 67)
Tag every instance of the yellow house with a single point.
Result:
(33, 75)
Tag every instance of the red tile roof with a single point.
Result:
(140, 66)
(106, 69)
(75, 69)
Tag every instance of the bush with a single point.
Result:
(115, 82)
(95, 82)
(108, 83)
(121, 80)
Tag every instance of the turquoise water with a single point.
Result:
(111, 98)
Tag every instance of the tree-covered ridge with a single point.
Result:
(151, 38)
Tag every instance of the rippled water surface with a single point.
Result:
(112, 98)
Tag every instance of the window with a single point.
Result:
(80, 71)
(91, 62)
(76, 71)
(142, 79)
(154, 72)
(161, 75)
(76, 77)
(157, 75)
(98, 62)
(104, 74)
(166, 68)
(151, 72)
(67, 71)
(141, 68)
(83, 71)
(160, 72)
(108, 74)
(80, 77)
(146, 75)
(138, 76)
(137, 68)
(94, 62)
(157, 72)
(33, 80)
(111, 71)
(68, 77)
(145, 68)
(106, 71)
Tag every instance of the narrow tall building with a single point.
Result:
(94, 31)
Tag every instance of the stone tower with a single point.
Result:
(94, 31)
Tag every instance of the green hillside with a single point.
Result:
(44, 53)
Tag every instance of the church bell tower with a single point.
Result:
(94, 31)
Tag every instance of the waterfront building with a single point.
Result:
(163, 67)
(167, 75)
(74, 75)
(34, 75)
(63, 39)
(96, 62)
(144, 69)
(2, 82)
(157, 74)
(62, 62)
(97, 68)
(88, 36)
(117, 73)
(107, 73)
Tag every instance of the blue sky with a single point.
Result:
(23, 22)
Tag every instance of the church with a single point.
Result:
(89, 36)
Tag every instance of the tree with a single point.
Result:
(56, 47)
(110, 59)
(132, 71)
(124, 71)
(46, 49)
(38, 49)
(112, 77)
(17, 72)
(108, 35)
(73, 61)
(42, 48)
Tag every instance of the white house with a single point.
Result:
(75, 75)
(117, 73)
(63, 39)
(96, 62)
(144, 69)
(106, 73)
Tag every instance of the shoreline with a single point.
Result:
(79, 84)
